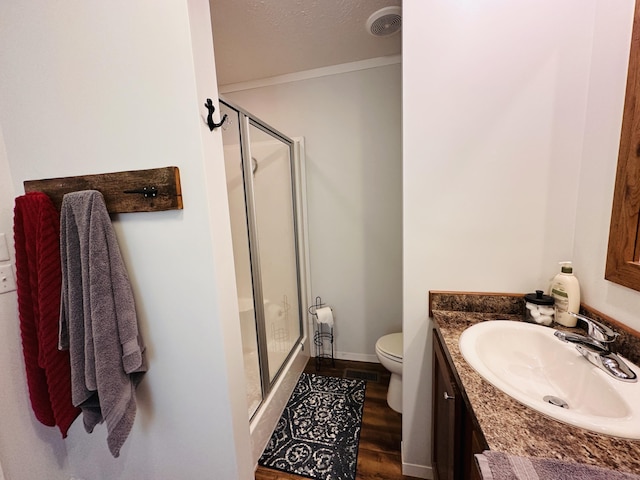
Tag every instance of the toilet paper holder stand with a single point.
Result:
(322, 335)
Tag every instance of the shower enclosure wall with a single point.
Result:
(263, 185)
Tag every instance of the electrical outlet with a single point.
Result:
(7, 280)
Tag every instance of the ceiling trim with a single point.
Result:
(314, 73)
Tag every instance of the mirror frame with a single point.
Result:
(623, 254)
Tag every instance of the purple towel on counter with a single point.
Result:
(98, 322)
(500, 466)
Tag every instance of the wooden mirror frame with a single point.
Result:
(623, 254)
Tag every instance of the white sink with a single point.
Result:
(528, 363)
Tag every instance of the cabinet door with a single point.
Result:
(477, 444)
(473, 442)
(446, 409)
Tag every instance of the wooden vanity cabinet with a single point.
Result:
(456, 437)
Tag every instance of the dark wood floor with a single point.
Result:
(379, 450)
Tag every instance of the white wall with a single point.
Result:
(499, 104)
(602, 138)
(89, 87)
(352, 128)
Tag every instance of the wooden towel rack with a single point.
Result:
(152, 190)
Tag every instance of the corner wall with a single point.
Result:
(495, 100)
(20, 431)
(612, 38)
(91, 87)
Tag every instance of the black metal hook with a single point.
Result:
(210, 122)
(148, 192)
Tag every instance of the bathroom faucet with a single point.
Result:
(596, 330)
(595, 348)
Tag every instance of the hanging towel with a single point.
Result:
(500, 466)
(36, 231)
(98, 322)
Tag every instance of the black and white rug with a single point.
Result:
(317, 435)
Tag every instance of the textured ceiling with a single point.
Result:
(256, 39)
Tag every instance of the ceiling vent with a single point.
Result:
(385, 22)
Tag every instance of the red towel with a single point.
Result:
(37, 242)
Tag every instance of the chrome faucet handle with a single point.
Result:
(597, 330)
(588, 343)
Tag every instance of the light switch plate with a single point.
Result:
(7, 280)
(4, 249)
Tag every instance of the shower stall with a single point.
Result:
(264, 175)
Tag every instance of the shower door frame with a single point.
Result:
(246, 120)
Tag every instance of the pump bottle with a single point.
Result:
(565, 289)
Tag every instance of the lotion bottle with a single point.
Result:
(565, 289)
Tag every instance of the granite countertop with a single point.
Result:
(515, 429)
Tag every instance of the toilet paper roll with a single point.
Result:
(325, 315)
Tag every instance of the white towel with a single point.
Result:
(325, 315)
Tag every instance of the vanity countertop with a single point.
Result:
(512, 428)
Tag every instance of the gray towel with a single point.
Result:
(98, 322)
(500, 466)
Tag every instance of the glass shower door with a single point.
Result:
(259, 166)
(241, 256)
(273, 192)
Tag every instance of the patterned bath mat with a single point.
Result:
(317, 435)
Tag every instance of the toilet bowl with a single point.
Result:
(389, 352)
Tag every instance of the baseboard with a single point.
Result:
(357, 357)
(354, 357)
(418, 471)
(413, 470)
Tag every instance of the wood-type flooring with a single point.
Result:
(379, 450)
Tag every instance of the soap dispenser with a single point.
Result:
(565, 289)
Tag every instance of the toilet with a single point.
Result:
(389, 352)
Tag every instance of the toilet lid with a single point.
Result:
(391, 345)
